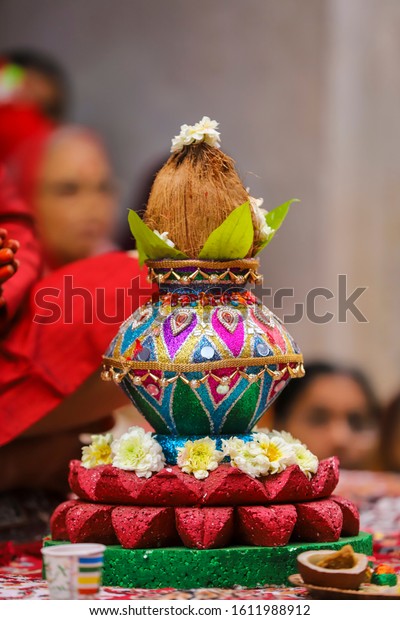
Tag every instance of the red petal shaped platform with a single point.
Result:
(226, 486)
(171, 487)
(319, 521)
(58, 524)
(266, 526)
(90, 523)
(229, 485)
(325, 481)
(288, 486)
(204, 528)
(144, 527)
(351, 516)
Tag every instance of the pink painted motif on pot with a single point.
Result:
(176, 330)
(273, 331)
(228, 324)
(219, 390)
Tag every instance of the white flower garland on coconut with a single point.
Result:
(203, 131)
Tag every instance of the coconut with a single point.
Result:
(192, 194)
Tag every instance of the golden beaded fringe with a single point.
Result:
(117, 370)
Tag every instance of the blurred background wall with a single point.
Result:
(307, 95)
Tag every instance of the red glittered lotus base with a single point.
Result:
(229, 507)
(206, 527)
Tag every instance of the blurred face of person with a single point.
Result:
(75, 202)
(332, 417)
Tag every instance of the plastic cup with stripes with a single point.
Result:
(74, 571)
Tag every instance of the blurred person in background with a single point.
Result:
(18, 123)
(334, 411)
(390, 436)
(33, 95)
(36, 78)
(50, 386)
(67, 179)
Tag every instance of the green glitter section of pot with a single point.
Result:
(238, 419)
(190, 417)
(182, 568)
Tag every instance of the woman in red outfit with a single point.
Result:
(50, 387)
(19, 121)
(17, 223)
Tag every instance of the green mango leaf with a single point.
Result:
(149, 245)
(275, 219)
(233, 238)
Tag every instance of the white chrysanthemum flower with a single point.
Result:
(164, 237)
(279, 453)
(305, 459)
(232, 446)
(264, 230)
(137, 451)
(252, 461)
(98, 452)
(199, 457)
(206, 125)
(203, 131)
(248, 457)
(208, 130)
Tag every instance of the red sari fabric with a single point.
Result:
(44, 360)
(23, 134)
(17, 219)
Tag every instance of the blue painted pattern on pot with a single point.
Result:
(158, 348)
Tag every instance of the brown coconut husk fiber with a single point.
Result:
(192, 194)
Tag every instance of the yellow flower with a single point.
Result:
(305, 459)
(248, 457)
(98, 452)
(279, 453)
(199, 457)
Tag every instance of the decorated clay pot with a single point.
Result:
(205, 357)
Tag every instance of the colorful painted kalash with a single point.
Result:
(203, 361)
(205, 358)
